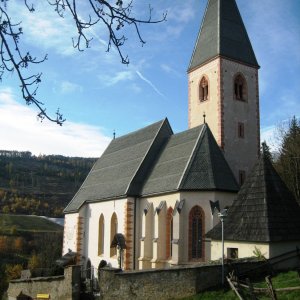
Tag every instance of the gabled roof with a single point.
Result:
(190, 160)
(222, 33)
(154, 160)
(116, 173)
(264, 211)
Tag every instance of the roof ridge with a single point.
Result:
(165, 121)
(193, 154)
(210, 158)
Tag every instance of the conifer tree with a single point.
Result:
(288, 164)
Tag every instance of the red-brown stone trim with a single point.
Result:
(220, 96)
(129, 232)
(189, 103)
(79, 238)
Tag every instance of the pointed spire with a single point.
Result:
(222, 33)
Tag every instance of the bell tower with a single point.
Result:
(223, 85)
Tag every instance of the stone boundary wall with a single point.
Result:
(173, 283)
(65, 287)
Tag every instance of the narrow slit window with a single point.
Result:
(241, 130)
(242, 177)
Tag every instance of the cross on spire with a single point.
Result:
(204, 115)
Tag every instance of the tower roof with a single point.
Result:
(222, 33)
(264, 211)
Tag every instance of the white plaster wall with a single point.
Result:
(70, 232)
(191, 199)
(92, 215)
(210, 107)
(141, 204)
(244, 249)
(240, 153)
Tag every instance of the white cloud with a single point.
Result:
(44, 27)
(166, 68)
(21, 131)
(67, 87)
(182, 13)
(135, 88)
(110, 80)
(270, 136)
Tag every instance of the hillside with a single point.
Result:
(20, 223)
(39, 185)
(27, 242)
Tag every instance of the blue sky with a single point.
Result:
(97, 94)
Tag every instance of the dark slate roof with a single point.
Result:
(116, 173)
(154, 160)
(190, 160)
(223, 33)
(264, 211)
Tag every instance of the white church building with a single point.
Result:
(152, 191)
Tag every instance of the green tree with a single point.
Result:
(288, 163)
(265, 149)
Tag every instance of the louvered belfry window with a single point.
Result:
(195, 233)
(240, 88)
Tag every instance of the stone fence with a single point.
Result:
(65, 287)
(173, 283)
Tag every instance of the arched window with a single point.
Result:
(203, 89)
(240, 88)
(101, 235)
(113, 231)
(169, 232)
(196, 233)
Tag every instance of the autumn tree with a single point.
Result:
(114, 17)
(34, 262)
(288, 163)
(13, 271)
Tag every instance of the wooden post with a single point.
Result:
(270, 288)
(251, 290)
(233, 288)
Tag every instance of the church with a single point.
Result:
(149, 200)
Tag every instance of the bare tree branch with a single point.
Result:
(115, 17)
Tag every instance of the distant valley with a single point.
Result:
(39, 185)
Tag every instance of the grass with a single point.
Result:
(27, 223)
(282, 280)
